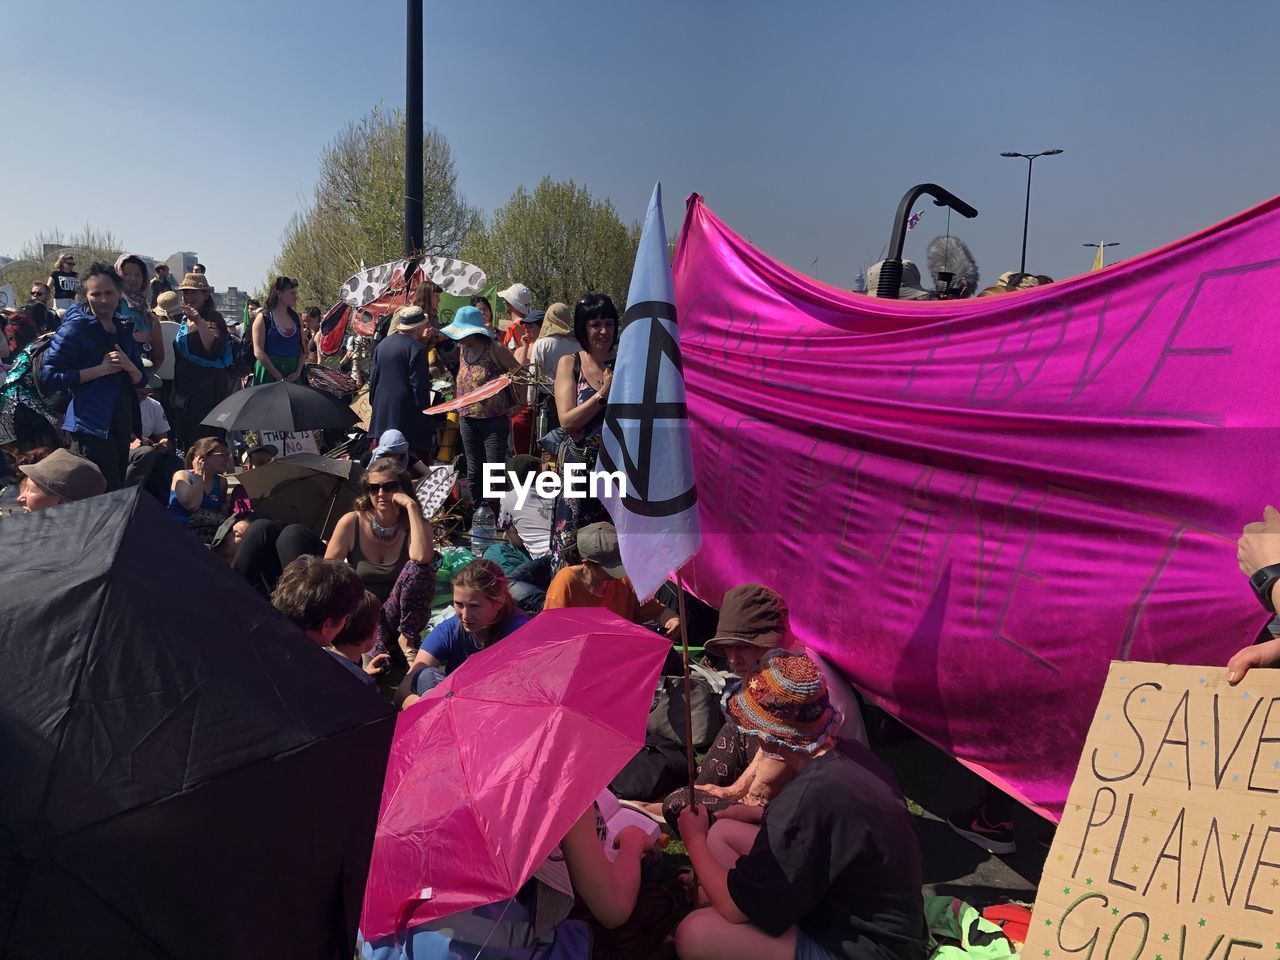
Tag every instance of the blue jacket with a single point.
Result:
(81, 343)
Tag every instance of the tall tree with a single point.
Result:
(356, 214)
(558, 242)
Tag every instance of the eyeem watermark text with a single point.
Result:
(577, 483)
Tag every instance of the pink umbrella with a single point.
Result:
(491, 768)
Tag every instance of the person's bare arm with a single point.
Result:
(608, 889)
(421, 540)
(343, 538)
(713, 877)
(573, 415)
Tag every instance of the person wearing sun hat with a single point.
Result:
(834, 870)
(400, 382)
(485, 424)
(518, 300)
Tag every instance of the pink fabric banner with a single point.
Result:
(973, 506)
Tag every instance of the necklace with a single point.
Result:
(381, 532)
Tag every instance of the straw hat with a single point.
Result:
(408, 318)
(196, 281)
(168, 304)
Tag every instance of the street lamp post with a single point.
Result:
(1101, 244)
(1026, 211)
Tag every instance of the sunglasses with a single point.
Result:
(391, 486)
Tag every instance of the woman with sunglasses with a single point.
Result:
(391, 546)
(63, 281)
(277, 335)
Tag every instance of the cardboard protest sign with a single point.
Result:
(1169, 845)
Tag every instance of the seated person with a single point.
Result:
(256, 456)
(753, 620)
(319, 596)
(152, 462)
(393, 445)
(587, 900)
(57, 478)
(600, 581)
(259, 548)
(357, 638)
(834, 870)
(391, 547)
(527, 528)
(199, 497)
(485, 614)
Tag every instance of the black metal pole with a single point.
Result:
(413, 199)
(890, 282)
(1026, 217)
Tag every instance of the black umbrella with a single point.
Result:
(185, 774)
(282, 406)
(304, 488)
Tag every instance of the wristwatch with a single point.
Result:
(1262, 581)
(604, 399)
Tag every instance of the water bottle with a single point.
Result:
(484, 529)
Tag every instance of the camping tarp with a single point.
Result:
(973, 506)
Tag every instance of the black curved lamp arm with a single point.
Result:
(890, 282)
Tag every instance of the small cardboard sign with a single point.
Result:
(1169, 845)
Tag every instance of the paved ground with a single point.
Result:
(937, 784)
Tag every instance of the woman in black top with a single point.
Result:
(63, 281)
(833, 869)
(201, 364)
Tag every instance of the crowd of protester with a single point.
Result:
(832, 870)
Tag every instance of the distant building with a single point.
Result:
(231, 304)
(180, 263)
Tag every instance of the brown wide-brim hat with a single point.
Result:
(751, 614)
(196, 281)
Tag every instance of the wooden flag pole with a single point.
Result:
(688, 690)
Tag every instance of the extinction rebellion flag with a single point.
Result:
(646, 431)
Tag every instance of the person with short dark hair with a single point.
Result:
(38, 310)
(357, 638)
(319, 596)
(198, 268)
(311, 335)
(159, 284)
(95, 357)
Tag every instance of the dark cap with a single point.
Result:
(751, 614)
(598, 543)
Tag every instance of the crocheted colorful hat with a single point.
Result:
(785, 702)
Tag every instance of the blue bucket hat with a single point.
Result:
(392, 443)
(467, 322)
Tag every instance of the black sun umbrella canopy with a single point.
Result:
(282, 406)
(185, 774)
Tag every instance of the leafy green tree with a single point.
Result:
(558, 242)
(356, 213)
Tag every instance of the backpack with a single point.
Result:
(54, 399)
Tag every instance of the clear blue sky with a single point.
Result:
(802, 124)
